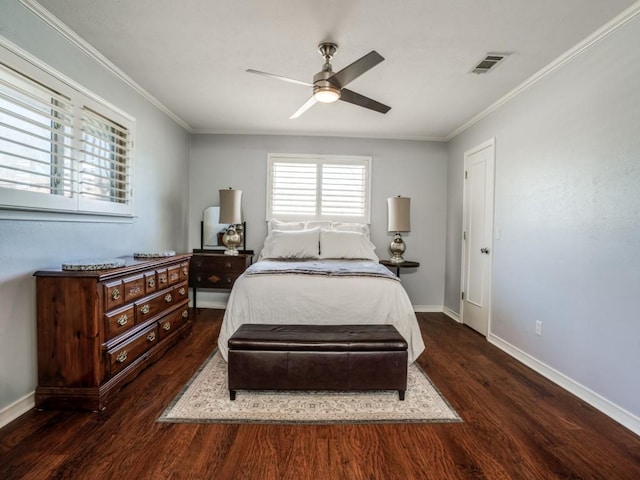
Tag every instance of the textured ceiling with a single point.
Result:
(192, 55)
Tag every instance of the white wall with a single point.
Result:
(409, 168)
(567, 206)
(161, 195)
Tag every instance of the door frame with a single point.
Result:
(463, 265)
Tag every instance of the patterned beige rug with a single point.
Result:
(205, 399)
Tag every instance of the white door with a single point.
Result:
(477, 236)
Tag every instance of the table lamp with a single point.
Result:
(231, 213)
(399, 221)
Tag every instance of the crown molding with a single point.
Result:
(316, 134)
(97, 57)
(604, 31)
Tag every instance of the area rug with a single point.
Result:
(205, 399)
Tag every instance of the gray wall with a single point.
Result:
(567, 206)
(161, 196)
(414, 169)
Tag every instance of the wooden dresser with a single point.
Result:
(98, 329)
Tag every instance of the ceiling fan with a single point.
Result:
(328, 87)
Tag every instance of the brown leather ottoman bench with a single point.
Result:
(317, 357)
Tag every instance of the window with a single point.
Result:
(61, 148)
(318, 187)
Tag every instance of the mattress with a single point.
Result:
(321, 292)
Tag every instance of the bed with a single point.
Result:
(319, 274)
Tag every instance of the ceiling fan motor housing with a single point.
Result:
(323, 90)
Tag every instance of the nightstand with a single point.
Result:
(406, 264)
(215, 270)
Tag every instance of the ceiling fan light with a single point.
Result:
(326, 94)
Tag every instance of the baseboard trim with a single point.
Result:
(427, 308)
(216, 304)
(617, 413)
(451, 314)
(21, 406)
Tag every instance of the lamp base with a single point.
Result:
(231, 240)
(397, 248)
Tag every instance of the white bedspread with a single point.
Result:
(320, 300)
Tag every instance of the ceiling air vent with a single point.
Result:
(488, 62)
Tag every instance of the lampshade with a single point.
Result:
(399, 214)
(230, 206)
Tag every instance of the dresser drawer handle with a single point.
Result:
(145, 309)
(185, 271)
(115, 294)
(227, 265)
(122, 321)
(122, 356)
(151, 337)
(182, 291)
(163, 279)
(185, 314)
(229, 280)
(166, 326)
(168, 298)
(151, 283)
(134, 290)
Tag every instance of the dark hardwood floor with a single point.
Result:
(517, 425)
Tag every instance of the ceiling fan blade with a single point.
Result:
(280, 77)
(357, 68)
(307, 105)
(350, 96)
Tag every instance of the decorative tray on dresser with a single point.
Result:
(98, 328)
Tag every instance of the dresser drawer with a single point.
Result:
(134, 288)
(173, 321)
(113, 295)
(180, 292)
(184, 271)
(162, 279)
(125, 353)
(174, 272)
(118, 321)
(150, 282)
(150, 306)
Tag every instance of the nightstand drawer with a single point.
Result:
(219, 263)
(211, 279)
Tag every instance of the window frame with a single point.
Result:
(319, 160)
(25, 204)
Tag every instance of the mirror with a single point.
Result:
(212, 230)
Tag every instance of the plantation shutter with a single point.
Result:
(318, 187)
(36, 141)
(344, 190)
(104, 174)
(293, 188)
(62, 148)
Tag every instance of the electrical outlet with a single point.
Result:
(538, 327)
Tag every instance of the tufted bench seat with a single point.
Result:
(317, 357)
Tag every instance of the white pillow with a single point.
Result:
(317, 224)
(284, 226)
(292, 244)
(351, 227)
(336, 244)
